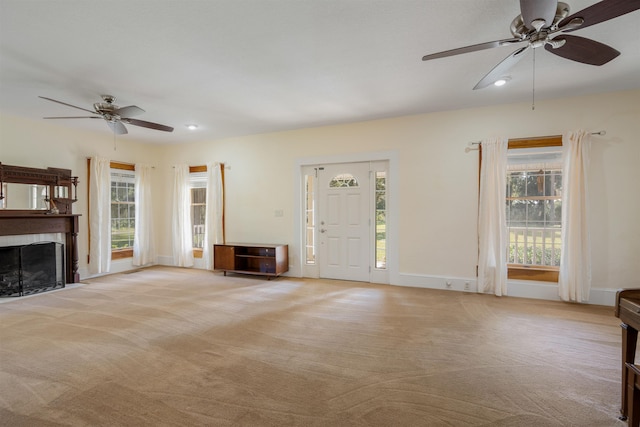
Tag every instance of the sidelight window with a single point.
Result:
(310, 219)
(381, 219)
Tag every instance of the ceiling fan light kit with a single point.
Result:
(113, 115)
(544, 23)
(502, 81)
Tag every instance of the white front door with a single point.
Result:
(343, 221)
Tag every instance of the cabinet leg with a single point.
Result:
(629, 340)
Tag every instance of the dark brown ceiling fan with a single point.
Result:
(114, 116)
(545, 23)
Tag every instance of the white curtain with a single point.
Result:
(492, 223)
(213, 219)
(143, 244)
(574, 281)
(100, 215)
(181, 221)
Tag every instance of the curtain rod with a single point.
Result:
(121, 163)
(466, 150)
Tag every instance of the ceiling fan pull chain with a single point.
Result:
(533, 89)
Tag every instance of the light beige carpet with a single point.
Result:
(177, 347)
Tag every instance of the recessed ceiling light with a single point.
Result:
(192, 127)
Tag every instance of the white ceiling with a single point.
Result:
(238, 67)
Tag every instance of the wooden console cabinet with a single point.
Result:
(266, 260)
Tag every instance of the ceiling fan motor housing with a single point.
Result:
(106, 109)
(521, 30)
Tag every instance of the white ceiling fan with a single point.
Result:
(545, 23)
(114, 116)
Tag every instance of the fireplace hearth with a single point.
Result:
(31, 269)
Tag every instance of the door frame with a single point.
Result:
(298, 265)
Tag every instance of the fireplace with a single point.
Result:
(19, 223)
(30, 269)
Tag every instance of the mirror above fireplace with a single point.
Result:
(50, 190)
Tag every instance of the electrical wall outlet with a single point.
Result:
(467, 286)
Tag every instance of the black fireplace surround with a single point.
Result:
(30, 269)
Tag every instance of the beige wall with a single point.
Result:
(437, 180)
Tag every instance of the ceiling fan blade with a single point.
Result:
(129, 111)
(500, 69)
(68, 105)
(472, 48)
(600, 12)
(538, 9)
(583, 50)
(74, 117)
(149, 125)
(118, 128)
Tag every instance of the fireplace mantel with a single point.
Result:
(18, 223)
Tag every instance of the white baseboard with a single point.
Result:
(168, 261)
(117, 266)
(164, 260)
(515, 288)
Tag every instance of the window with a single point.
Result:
(344, 180)
(310, 221)
(198, 184)
(534, 208)
(123, 216)
(381, 219)
(533, 216)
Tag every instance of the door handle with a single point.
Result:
(322, 230)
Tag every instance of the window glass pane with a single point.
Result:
(198, 195)
(536, 184)
(381, 220)
(122, 208)
(310, 249)
(517, 213)
(198, 184)
(517, 184)
(553, 213)
(343, 180)
(533, 206)
(381, 200)
(553, 183)
(535, 211)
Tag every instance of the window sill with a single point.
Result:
(121, 253)
(538, 273)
